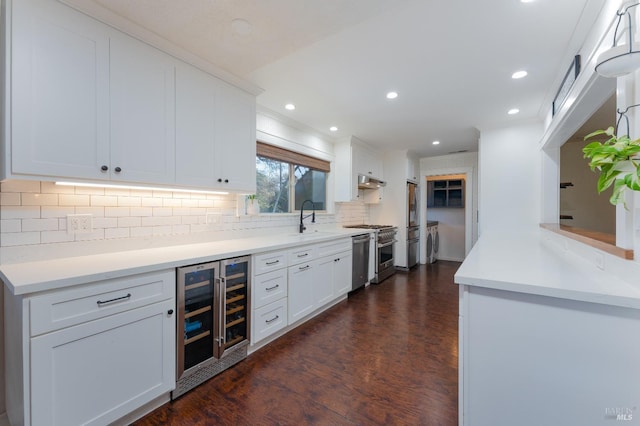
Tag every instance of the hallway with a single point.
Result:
(388, 355)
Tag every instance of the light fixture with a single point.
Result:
(513, 111)
(519, 74)
(392, 95)
(436, 142)
(623, 114)
(621, 59)
(142, 188)
(333, 128)
(290, 107)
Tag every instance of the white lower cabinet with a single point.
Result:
(302, 280)
(97, 372)
(269, 319)
(342, 273)
(106, 349)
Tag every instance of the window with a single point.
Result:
(285, 179)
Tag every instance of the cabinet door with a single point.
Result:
(60, 91)
(196, 122)
(323, 287)
(302, 279)
(342, 268)
(142, 112)
(96, 372)
(236, 139)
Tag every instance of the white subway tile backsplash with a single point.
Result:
(11, 225)
(29, 199)
(104, 200)
(117, 211)
(116, 233)
(33, 213)
(129, 201)
(20, 186)
(10, 198)
(29, 225)
(56, 237)
(47, 212)
(74, 200)
(19, 239)
(20, 212)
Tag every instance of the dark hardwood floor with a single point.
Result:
(386, 356)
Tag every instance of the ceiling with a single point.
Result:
(450, 61)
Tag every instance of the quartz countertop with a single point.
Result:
(526, 263)
(43, 275)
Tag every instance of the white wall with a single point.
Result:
(462, 163)
(509, 178)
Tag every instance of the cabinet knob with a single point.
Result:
(219, 180)
(104, 168)
(118, 169)
(170, 312)
(226, 181)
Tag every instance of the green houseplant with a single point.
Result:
(618, 162)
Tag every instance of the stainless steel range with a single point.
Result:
(385, 239)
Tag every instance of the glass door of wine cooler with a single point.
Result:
(233, 326)
(196, 314)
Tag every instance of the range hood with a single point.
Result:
(367, 182)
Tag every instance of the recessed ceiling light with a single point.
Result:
(333, 128)
(513, 111)
(241, 27)
(290, 107)
(436, 142)
(527, 1)
(392, 95)
(519, 74)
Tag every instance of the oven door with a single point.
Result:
(386, 255)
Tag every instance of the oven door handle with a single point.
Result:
(387, 244)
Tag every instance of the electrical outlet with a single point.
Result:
(79, 223)
(213, 218)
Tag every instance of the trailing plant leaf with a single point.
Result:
(614, 159)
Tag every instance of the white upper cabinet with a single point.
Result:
(413, 168)
(142, 112)
(353, 159)
(90, 103)
(60, 92)
(215, 133)
(196, 98)
(236, 139)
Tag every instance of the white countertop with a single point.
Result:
(526, 263)
(30, 277)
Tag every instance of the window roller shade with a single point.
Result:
(281, 154)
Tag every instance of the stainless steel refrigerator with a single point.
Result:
(413, 225)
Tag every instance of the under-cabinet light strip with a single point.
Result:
(143, 188)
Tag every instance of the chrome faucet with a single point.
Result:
(302, 217)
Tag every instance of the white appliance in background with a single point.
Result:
(413, 227)
(433, 241)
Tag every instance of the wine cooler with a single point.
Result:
(213, 320)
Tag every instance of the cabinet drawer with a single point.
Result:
(267, 262)
(269, 287)
(332, 247)
(302, 254)
(269, 319)
(65, 308)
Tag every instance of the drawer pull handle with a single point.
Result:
(272, 320)
(273, 263)
(336, 260)
(272, 288)
(302, 268)
(117, 299)
(303, 255)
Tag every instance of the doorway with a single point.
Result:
(447, 196)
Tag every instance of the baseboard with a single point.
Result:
(451, 259)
